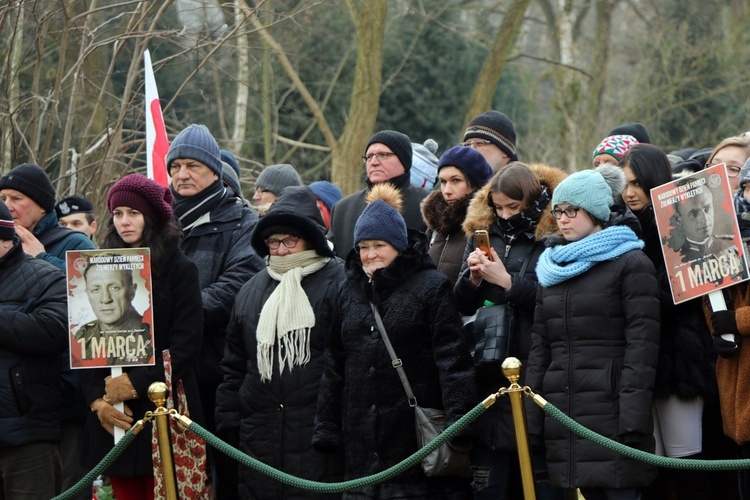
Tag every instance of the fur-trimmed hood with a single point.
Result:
(481, 216)
(442, 217)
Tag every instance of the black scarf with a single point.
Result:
(189, 209)
(525, 221)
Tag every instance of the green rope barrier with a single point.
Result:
(342, 486)
(667, 462)
(108, 460)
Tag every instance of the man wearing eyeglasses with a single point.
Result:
(492, 134)
(387, 158)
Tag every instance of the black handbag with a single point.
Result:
(491, 331)
(447, 459)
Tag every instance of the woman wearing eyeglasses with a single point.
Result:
(273, 361)
(733, 152)
(595, 343)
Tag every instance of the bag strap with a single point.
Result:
(526, 261)
(395, 360)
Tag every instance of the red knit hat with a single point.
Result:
(141, 193)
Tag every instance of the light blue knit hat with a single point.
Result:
(586, 189)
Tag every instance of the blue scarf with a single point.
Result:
(563, 262)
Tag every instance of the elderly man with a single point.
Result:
(388, 158)
(217, 226)
(33, 335)
(492, 134)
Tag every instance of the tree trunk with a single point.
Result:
(243, 88)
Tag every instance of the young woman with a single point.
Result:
(142, 217)
(461, 170)
(514, 208)
(594, 343)
(267, 402)
(732, 151)
(362, 406)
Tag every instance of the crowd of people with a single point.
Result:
(266, 320)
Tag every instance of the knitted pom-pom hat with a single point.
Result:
(381, 219)
(615, 145)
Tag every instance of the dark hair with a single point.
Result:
(649, 164)
(162, 241)
(90, 217)
(467, 179)
(517, 182)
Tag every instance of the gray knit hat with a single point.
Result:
(196, 143)
(7, 226)
(275, 178)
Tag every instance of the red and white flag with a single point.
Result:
(157, 144)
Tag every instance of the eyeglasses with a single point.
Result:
(732, 170)
(569, 212)
(289, 242)
(380, 156)
(476, 143)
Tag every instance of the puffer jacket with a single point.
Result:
(33, 335)
(594, 351)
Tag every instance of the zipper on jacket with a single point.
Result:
(507, 252)
(445, 246)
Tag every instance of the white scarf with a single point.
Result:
(287, 314)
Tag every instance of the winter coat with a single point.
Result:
(33, 334)
(686, 355)
(346, 211)
(496, 426)
(178, 318)
(55, 253)
(594, 353)
(226, 261)
(362, 405)
(273, 420)
(447, 240)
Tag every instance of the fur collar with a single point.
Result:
(440, 216)
(481, 216)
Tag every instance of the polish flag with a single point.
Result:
(157, 144)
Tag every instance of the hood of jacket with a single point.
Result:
(481, 216)
(442, 217)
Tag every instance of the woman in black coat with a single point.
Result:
(514, 209)
(142, 217)
(362, 407)
(594, 343)
(266, 405)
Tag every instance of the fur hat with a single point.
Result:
(381, 218)
(397, 142)
(496, 127)
(7, 226)
(32, 181)
(196, 143)
(586, 189)
(469, 161)
(275, 178)
(141, 193)
(328, 193)
(424, 164)
(74, 205)
(637, 130)
(615, 145)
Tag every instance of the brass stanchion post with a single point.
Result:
(512, 371)
(157, 393)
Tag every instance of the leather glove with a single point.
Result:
(119, 389)
(726, 348)
(110, 418)
(724, 322)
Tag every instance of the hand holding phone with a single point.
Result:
(482, 242)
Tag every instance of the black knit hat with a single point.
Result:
(74, 205)
(196, 143)
(7, 226)
(398, 142)
(496, 127)
(32, 181)
(637, 130)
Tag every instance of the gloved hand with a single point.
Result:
(110, 418)
(724, 322)
(119, 389)
(726, 348)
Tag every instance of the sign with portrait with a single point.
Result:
(110, 308)
(700, 237)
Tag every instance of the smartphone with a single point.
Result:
(482, 242)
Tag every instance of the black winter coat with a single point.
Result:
(178, 318)
(33, 334)
(273, 420)
(594, 353)
(362, 405)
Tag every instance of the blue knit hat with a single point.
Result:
(196, 143)
(586, 189)
(469, 161)
(328, 193)
(228, 158)
(381, 219)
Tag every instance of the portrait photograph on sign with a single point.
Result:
(700, 237)
(110, 311)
